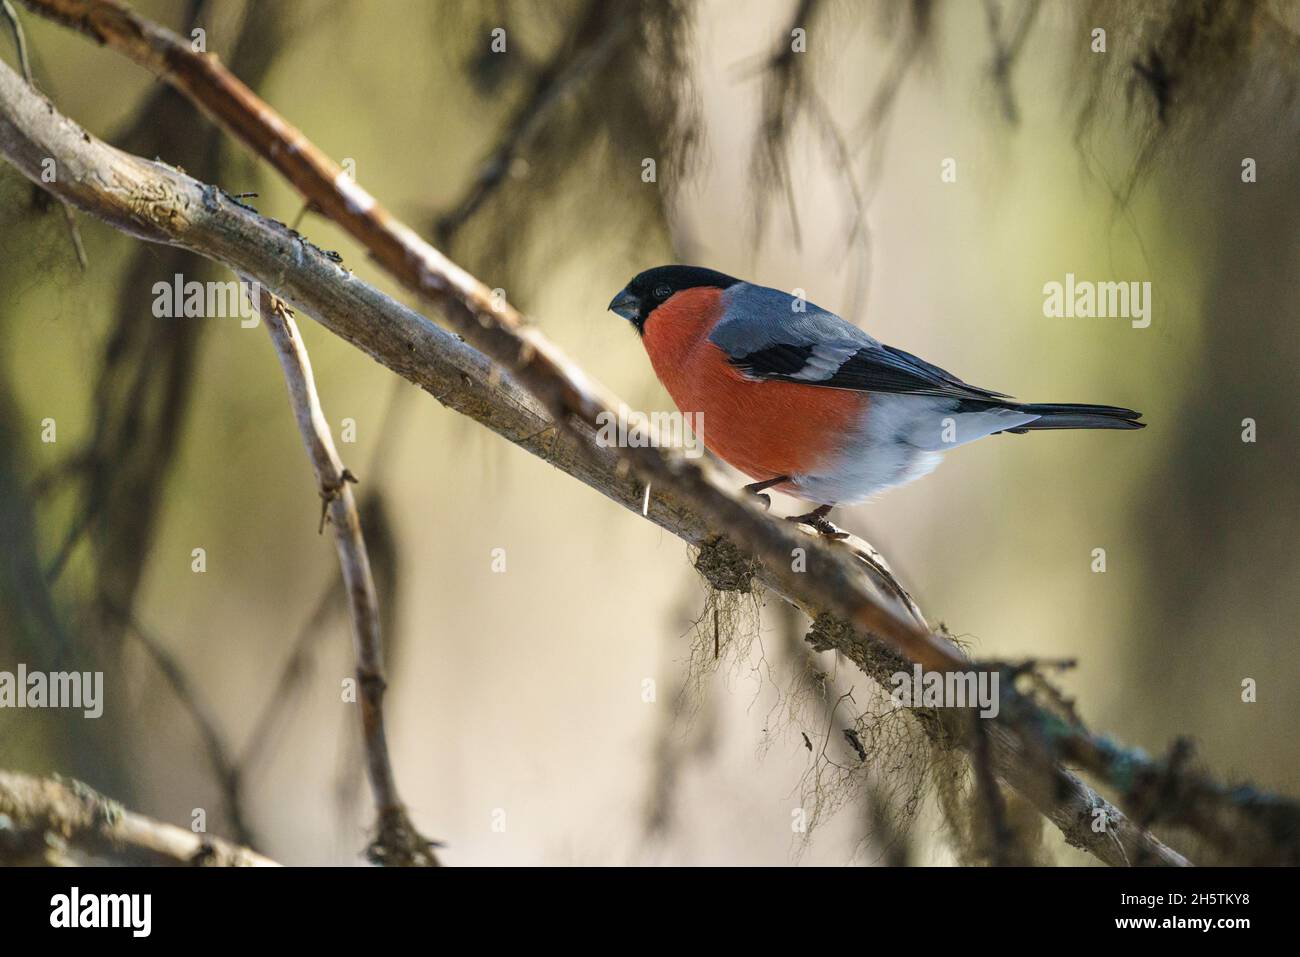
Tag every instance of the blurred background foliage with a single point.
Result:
(525, 692)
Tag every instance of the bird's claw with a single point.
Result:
(820, 524)
(758, 490)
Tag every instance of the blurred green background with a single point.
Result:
(522, 692)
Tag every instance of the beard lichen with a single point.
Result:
(862, 747)
(897, 758)
(728, 624)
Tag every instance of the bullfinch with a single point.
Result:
(808, 404)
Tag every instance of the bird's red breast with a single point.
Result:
(763, 428)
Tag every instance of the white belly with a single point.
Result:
(903, 438)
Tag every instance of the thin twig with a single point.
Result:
(311, 632)
(25, 64)
(20, 40)
(397, 842)
(74, 236)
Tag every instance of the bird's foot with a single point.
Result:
(818, 522)
(756, 490)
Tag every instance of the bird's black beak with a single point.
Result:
(627, 305)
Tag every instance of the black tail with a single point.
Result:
(1068, 416)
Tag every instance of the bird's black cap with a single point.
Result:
(650, 289)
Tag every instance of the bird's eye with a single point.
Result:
(663, 292)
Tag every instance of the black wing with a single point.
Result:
(869, 369)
